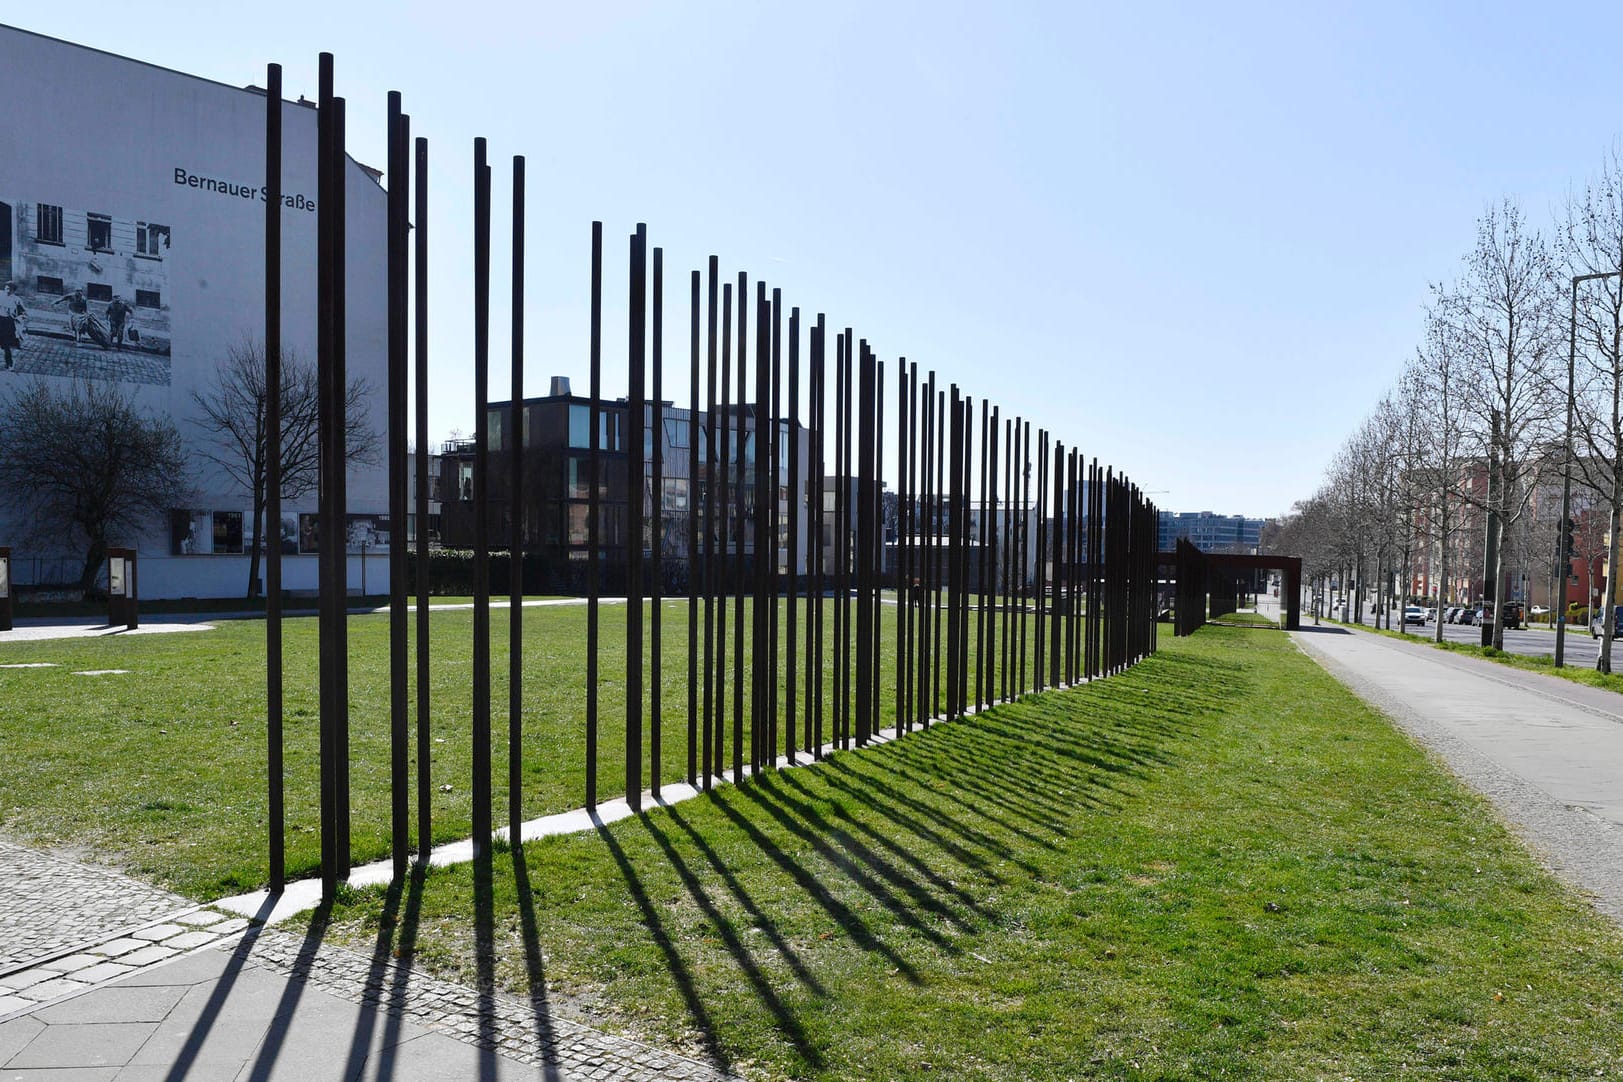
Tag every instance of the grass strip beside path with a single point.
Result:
(1541, 663)
(1217, 865)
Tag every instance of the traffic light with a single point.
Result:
(1568, 529)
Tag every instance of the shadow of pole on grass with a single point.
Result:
(788, 952)
(969, 833)
(842, 914)
(870, 870)
(788, 1024)
(900, 852)
(673, 959)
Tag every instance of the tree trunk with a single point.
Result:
(1496, 576)
(259, 544)
(1442, 563)
(94, 556)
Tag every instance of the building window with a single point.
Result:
(151, 239)
(98, 291)
(228, 531)
(99, 232)
(148, 298)
(580, 428)
(46, 284)
(48, 224)
(676, 494)
(676, 433)
(575, 486)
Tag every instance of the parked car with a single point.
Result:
(1431, 614)
(1467, 616)
(1513, 615)
(1414, 614)
(1451, 614)
(1597, 629)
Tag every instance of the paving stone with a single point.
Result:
(15, 1035)
(158, 932)
(189, 940)
(24, 978)
(114, 948)
(71, 962)
(109, 1044)
(13, 1003)
(51, 989)
(231, 927)
(115, 1004)
(149, 953)
(104, 972)
(200, 918)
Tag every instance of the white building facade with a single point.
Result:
(133, 195)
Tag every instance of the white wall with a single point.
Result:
(89, 131)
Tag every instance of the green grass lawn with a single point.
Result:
(1218, 865)
(160, 770)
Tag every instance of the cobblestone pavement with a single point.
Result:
(64, 974)
(42, 355)
(104, 977)
(49, 905)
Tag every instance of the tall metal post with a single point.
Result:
(656, 533)
(739, 505)
(480, 789)
(724, 558)
(775, 516)
(594, 508)
(635, 488)
(797, 493)
(696, 568)
(712, 478)
(275, 817)
(398, 269)
(425, 788)
(515, 525)
(329, 173)
(864, 553)
(760, 625)
(814, 653)
(878, 509)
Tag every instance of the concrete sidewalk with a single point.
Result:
(1546, 751)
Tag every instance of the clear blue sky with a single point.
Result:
(1192, 239)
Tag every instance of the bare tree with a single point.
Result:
(1505, 318)
(1592, 242)
(1437, 372)
(84, 463)
(232, 412)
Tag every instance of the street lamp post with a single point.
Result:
(1562, 564)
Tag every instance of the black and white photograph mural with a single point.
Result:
(87, 292)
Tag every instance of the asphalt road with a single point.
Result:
(1580, 648)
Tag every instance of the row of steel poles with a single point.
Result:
(998, 583)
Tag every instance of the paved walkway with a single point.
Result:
(1546, 751)
(103, 978)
